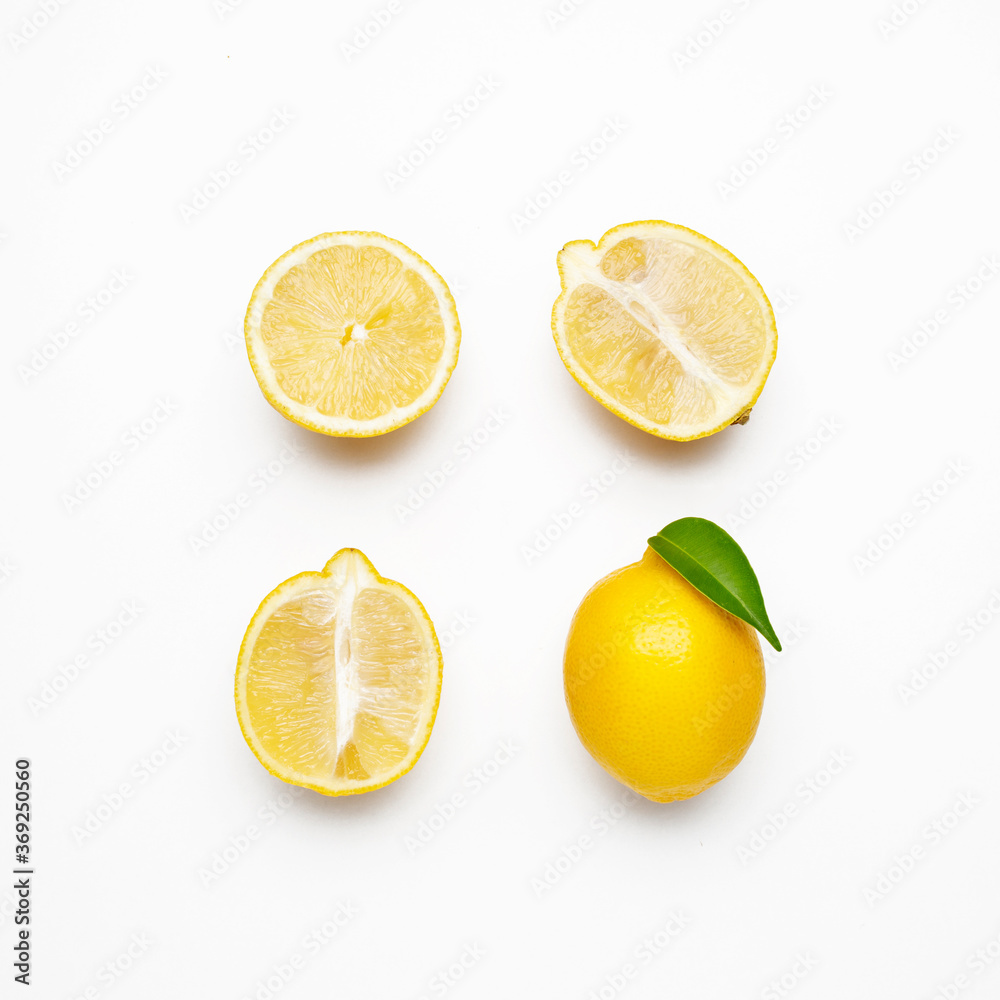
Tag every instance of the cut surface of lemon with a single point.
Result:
(352, 334)
(664, 327)
(338, 678)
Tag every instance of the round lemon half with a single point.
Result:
(352, 334)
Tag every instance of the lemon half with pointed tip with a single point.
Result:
(352, 334)
(338, 679)
(664, 327)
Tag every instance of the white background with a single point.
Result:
(846, 300)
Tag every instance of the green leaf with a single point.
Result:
(710, 560)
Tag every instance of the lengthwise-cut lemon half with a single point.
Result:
(664, 327)
(352, 334)
(338, 679)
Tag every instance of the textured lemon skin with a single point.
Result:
(274, 600)
(664, 687)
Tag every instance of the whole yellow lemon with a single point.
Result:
(664, 687)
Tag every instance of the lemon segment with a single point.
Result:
(352, 334)
(338, 678)
(664, 327)
(664, 688)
